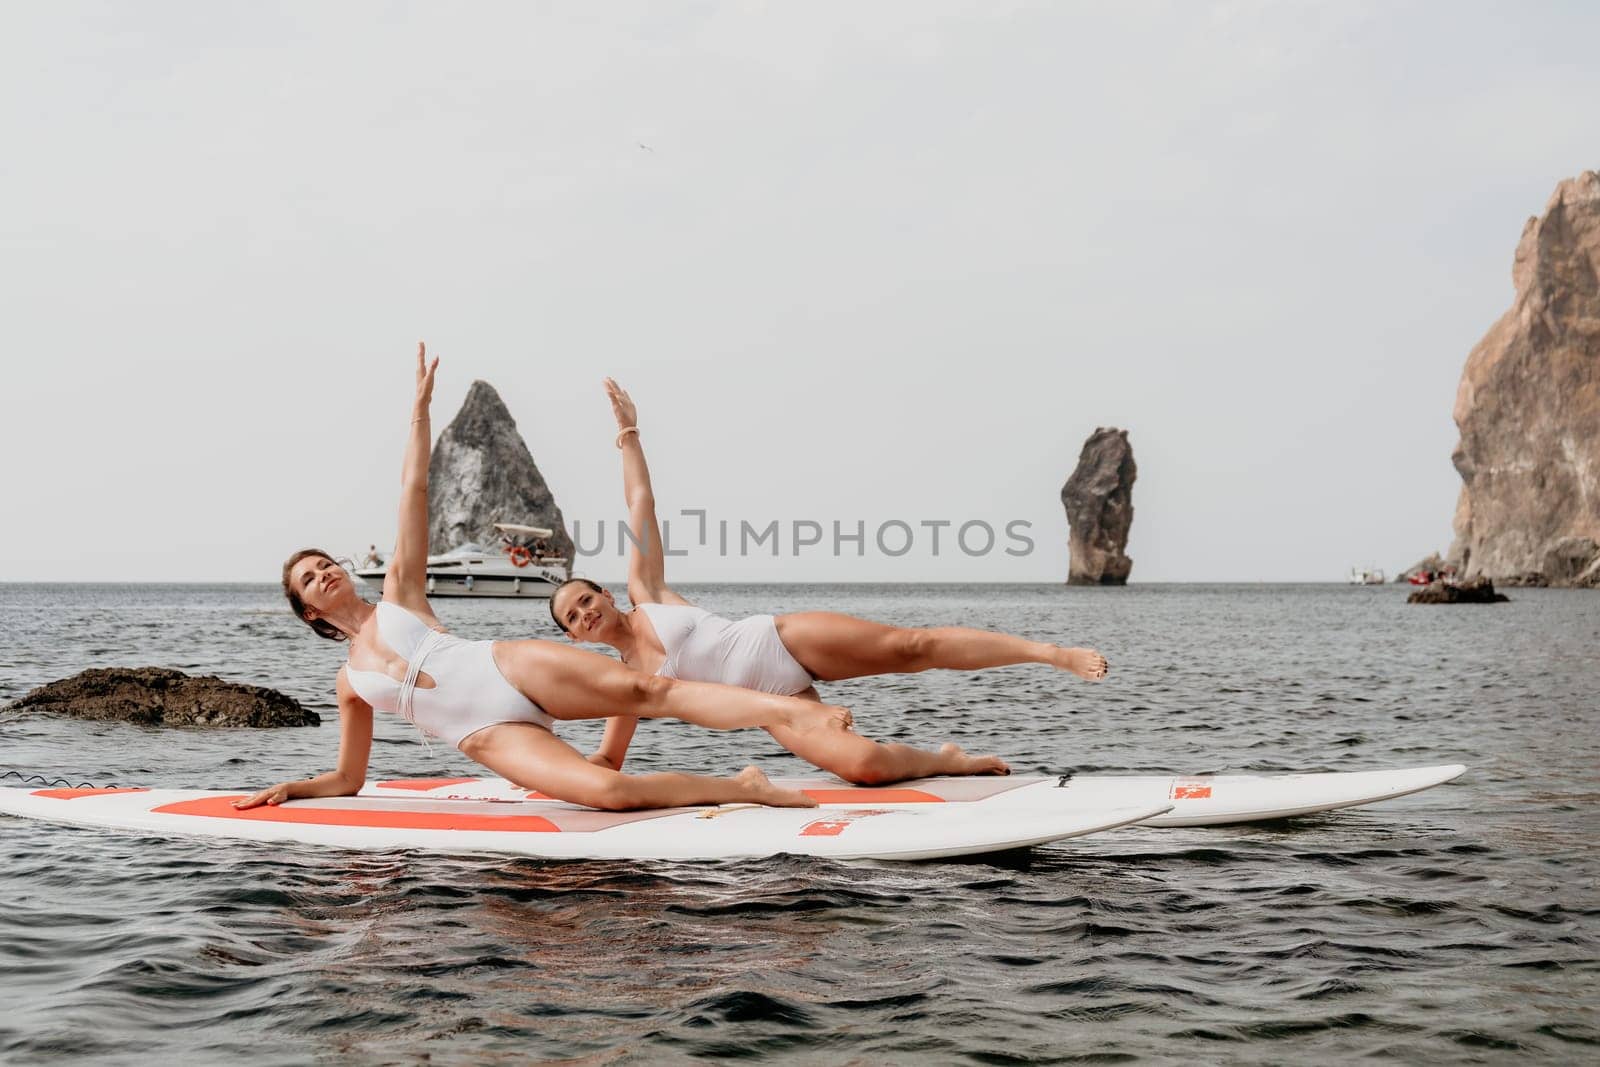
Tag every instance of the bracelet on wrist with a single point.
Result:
(625, 432)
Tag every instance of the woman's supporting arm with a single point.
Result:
(614, 743)
(355, 749)
(407, 580)
(647, 579)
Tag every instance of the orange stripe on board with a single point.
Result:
(74, 794)
(222, 808)
(422, 785)
(872, 796)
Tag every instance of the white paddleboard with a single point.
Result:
(1200, 800)
(549, 829)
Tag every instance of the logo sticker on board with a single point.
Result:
(1191, 789)
(835, 825)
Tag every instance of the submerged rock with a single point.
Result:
(1477, 591)
(482, 473)
(1528, 409)
(157, 696)
(1099, 502)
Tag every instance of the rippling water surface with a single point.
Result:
(1457, 925)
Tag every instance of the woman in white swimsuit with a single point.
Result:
(667, 637)
(496, 700)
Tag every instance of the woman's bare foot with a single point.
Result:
(821, 717)
(961, 763)
(762, 791)
(1084, 662)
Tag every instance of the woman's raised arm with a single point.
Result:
(407, 580)
(647, 579)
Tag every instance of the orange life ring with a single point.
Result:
(520, 556)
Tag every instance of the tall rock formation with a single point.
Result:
(482, 473)
(1528, 409)
(1099, 502)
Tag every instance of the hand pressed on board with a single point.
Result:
(276, 794)
(622, 405)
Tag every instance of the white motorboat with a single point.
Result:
(520, 568)
(1370, 576)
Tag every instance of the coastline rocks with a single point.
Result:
(1477, 591)
(1573, 561)
(1098, 499)
(1528, 408)
(482, 473)
(156, 696)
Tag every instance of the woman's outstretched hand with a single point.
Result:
(272, 795)
(424, 378)
(622, 405)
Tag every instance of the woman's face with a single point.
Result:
(587, 615)
(321, 583)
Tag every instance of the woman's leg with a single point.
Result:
(863, 761)
(534, 758)
(570, 683)
(833, 646)
(866, 762)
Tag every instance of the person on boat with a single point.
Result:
(665, 636)
(497, 700)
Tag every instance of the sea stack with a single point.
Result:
(1528, 409)
(482, 473)
(1099, 502)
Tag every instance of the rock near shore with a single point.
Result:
(157, 696)
(1099, 502)
(482, 473)
(1477, 591)
(1528, 408)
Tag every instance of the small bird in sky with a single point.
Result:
(646, 147)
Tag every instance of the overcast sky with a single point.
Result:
(878, 261)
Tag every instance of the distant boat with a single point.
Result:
(519, 569)
(1445, 574)
(1370, 576)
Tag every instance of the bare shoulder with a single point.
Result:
(641, 593)
(341, 685)
(416, 605)
(665, 595)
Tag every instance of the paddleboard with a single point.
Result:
(549, 829)
(1196, 800)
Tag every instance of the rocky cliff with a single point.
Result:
(481, 474)
(1528, 409)
(1099, 502)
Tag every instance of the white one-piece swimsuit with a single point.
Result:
(702, 647)
(468, 692)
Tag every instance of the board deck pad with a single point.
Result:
(414, 820)
(1196, 800)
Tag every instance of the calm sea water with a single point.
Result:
(1457, 925)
